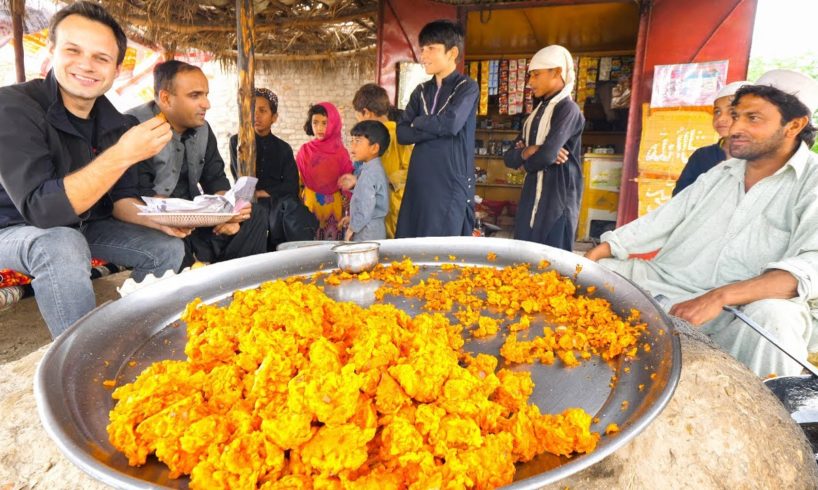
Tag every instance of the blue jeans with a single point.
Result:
(59, 260)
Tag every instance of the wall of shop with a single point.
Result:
(673, 32)
(296, 90)
(400, 22)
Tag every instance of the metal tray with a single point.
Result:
(189, 220)
(144, 327)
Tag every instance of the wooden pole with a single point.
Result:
(18, 10)
(245, 25)
(170, 51)
(628, 188)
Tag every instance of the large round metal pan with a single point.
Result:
(119, 339)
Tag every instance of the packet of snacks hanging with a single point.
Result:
(483, 107)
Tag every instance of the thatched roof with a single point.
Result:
(35, 18)
(286, 30)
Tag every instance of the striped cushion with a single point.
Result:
(15, 285)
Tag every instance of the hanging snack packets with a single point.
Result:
(520, 94)
(484, 89)
(494, 76)
(474, 71)
(503, 88)
(512, 86)
(586, 78)
(529, 101)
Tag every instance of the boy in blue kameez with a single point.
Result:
(440, 121)
(370, 199)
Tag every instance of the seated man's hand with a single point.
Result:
(347, 181)
(701, 310)
(174, 231)
(344, 222)
(228, 229)
(144, 140)
(562, 156)
(243, 214)
(529, 151)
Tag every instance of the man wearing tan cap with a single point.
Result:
(744, 233)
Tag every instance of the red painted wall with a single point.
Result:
(399, 25)
(672, 32)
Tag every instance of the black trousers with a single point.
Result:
(289, 220)
(206, 246)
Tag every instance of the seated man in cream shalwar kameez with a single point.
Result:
(744, 234)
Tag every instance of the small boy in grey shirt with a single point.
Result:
(370, 199)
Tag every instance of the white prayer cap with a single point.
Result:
(554, 56)
(794, 83)
(730, 89)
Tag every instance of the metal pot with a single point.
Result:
(120, 339)
(799, 394)
(357, 257)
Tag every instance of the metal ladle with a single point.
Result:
(771, 338)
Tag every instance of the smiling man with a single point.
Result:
(191, 159)
(67, 185)
(744, 233)
(440, 121)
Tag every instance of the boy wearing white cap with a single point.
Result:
(744, 233)
(707, 157)
(549, 203)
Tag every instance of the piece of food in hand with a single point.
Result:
(162, 117)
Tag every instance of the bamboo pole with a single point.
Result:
(18, 10)
(245, 40)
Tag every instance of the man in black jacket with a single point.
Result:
(67, 186)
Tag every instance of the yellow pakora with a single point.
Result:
(287, 388)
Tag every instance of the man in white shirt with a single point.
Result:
(744, 234)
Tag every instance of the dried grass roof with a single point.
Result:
(34, 20)
(286, 30)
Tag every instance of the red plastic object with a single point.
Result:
(494, 207)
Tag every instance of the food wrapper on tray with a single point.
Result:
(239, 196)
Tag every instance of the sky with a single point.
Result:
(785, 28)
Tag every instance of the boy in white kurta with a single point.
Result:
(745, 233)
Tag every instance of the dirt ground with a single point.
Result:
(22, 329)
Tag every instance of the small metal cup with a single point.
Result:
(357, 257)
